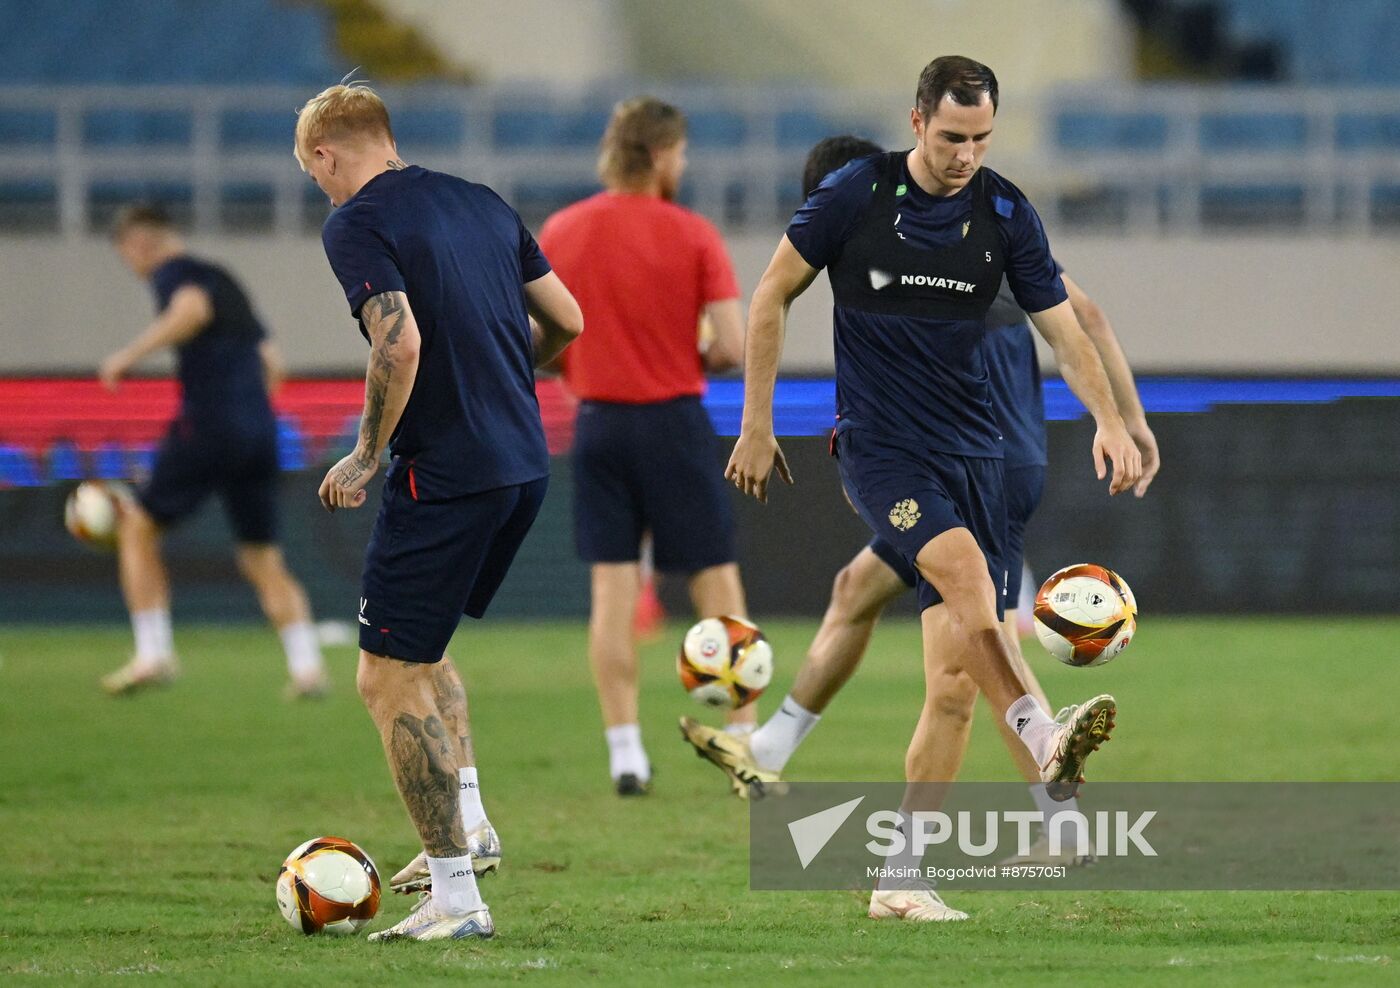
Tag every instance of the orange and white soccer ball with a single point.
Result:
(1085, 615)
(328, 885)
(93, 510)
(725, 662)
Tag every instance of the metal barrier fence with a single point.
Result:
(1133, 159)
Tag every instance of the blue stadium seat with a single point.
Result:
(1253, 131)
(27, 128)
(126, 128)
(1368, 131)
(535, 127)
(716, 128)
(437, 128)
(1084, 130)
(159, 41)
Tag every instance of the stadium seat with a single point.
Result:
(716, 128)
(120, 127)
(1238, 132)
(1099, 131)
(535, 126)
(1369, 131)
(27, 128)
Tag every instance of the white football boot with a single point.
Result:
(1084, 728)
(916, 902)
(428, 922)
(483, 844)
(136, 676)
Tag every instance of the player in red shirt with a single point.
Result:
(646, 272)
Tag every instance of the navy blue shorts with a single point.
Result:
(430, 562)
(909, 497)
(651, 468)
(240, 468)
(1024, 486)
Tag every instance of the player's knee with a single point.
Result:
(954, 695)
(850, 601)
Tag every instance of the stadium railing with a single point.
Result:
(1138, 159)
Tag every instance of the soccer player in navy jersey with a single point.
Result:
(878, 575)
(458, 305)
(223, 441)
(917, 244)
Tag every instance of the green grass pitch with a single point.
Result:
(141, 836)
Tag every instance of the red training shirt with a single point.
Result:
(643, 270)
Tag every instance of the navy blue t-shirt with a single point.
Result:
(220, 370)
(921, 381)
(1014, 376)
(462, 256)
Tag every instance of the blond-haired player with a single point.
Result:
(458, 305)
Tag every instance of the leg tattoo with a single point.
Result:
(425, 768)
(451, 698)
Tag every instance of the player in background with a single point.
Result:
(645, 272)
(917, 244)
(441, 274)
(223, 441)
(878, 575)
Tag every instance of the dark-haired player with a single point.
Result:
(458, 306)
(223, 441)
(878, 575)
(917, 244)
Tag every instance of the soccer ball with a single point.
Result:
(1085, 615)
(725, 662)
(328, 885)
(93, 511)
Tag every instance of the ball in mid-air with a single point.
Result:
(725, 662)
(93, 510)
(328, 885)
(1085, 615)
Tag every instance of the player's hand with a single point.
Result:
(752, 462)
(113, 369)
(1151, 458)
(344, 486)
(1112, 442)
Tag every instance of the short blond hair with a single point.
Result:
(637, 128)
(342, 112)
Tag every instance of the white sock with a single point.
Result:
(743, 730)
(469, 796)
(303, 650)
(625, 752)
(899, 868)
(774, 743)
(1033, 725)
(1069, 829)
(154, 642)
(454, 885)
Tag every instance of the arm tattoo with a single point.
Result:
(384, 317)
(425, 770)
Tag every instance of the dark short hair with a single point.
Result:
(961, 78)
(829, 154)
(146, 214)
